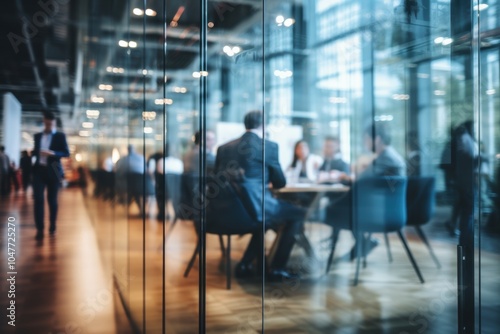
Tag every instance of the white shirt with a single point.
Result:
(172, 165)
(45, 145)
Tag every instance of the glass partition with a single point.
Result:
(361, 103)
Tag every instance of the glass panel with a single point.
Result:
(376, 76)
(345, 87)
(488, 223)
(234, 87)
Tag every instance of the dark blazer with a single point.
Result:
(241, 162)
(335, 164)
(60, 147)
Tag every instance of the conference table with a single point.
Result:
(307, 195)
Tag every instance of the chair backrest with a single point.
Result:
(420, 200)
(188, 204)
(136, 183)
(379, 204)
(225, 212)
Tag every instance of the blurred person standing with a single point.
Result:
(4, 172)
(50, 147)
(165, 165)
(132, 168)
(26, 167)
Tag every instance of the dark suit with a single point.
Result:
(334, 164)
(50, 176)
(241, 160)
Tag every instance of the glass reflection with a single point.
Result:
(362, 100)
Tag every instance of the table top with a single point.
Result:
(313, 187)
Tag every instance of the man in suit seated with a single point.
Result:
(245, 155)
(385, 162)
(333, 167)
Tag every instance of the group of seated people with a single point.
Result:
(309, 167)
(245, 155)
(243, 162)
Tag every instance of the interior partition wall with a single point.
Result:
(168, 82)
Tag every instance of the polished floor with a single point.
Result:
(62, 284)
(65, 284)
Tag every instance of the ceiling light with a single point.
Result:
(148, 129)
(97, 99)
(163, 101)
(196, 74)
(150, 12)
(148, 115)
(123, 43)
(438, 40)
(401, 96)
(105, 87)
(93, 114)
(480, 7)
(132, 44)
(87, 125)
(280, 19)
(490, 91)
(447, 41)
(288, 22)
(383, 118)
(236, 49)
(180, 90)
(138, 11)
(283, 74)
(84, 133)
(210, 24)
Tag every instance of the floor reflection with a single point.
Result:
(388, 299)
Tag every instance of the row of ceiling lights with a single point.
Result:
(140, 12)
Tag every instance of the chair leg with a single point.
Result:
(365, 248)
(222, 248)
(170, 229)
(359, 251)
(422, 236)
(388, 247)
(334, 239)
(410, 256)
(193, 258)
(228, 263)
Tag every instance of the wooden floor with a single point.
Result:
(65, 282)
(62, 284)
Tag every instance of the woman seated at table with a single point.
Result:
(305, 166)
